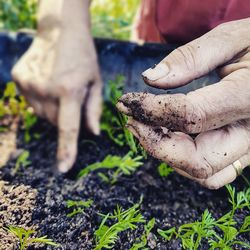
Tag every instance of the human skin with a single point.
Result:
(219, 113)
(59, 74)
(144, 27)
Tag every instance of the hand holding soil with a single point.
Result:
(219, 114)
(59, 74)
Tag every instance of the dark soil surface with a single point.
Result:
(173, 200)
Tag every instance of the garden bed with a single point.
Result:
(171, 200)
(33, 195)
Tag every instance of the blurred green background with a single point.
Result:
(110, 18)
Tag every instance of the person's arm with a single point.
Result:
(219, 113)
(62, 14)
(59, 73)
(144, 27)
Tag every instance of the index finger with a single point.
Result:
(68, 125)
(201, 110)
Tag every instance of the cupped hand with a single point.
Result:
(59, 76)
(167, 125)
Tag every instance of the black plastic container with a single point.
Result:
(115, 57)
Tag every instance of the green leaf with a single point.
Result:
(167, 234)
(14, 107)
(246, 225)
(120, 165)
(10, 90)
(22, 161)
(164, 170)
(106, 235)
(113, 122)
(78, 206)
(104, 177)
(25, 237)
(144, 238)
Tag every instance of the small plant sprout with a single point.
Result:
(78, 206)
(143, 240)
(112, 224)
(219, 234)
(22, 161)
(164, 170)
(25, 237)
(120, 165)
(113, 122)
(191, 234)
(13, 106)
(29, 120)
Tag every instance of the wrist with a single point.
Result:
(72, 16)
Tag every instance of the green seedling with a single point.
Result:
(29, 120)
(219, 234)
(164, 170)
(112, 224)
(13, 105)
(25, 237)
(113, 122)
(191, 234)
(120, 165)
(22, 161)
(143, 240)
(78, 206)
(9, 105)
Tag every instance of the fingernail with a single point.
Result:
(63, 167)
(95, 129)
(155, 73)
(132, 130)
(124, 109)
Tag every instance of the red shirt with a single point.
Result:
(181, 21)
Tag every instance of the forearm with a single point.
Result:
(71, 15)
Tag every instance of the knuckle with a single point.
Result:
(16, 74)
(66, 90)
(187, 54)
(201, 170)
(223, 27)
(195, 118)
(20, 77)
(200, 173)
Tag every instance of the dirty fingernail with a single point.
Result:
(156, 73)
(132, 128)
(124, 109)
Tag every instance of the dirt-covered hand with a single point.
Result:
(219, 113)
(59, 74)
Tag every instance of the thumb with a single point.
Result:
(200, 56)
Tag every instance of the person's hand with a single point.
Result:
(59, 74)
(219, 113)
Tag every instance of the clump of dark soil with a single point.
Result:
(172, 201)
